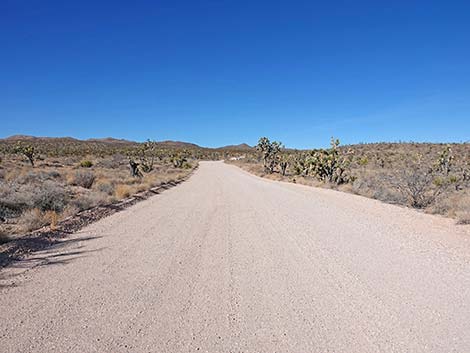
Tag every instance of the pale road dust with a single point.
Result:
(229, 262)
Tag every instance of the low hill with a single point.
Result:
(242, 146)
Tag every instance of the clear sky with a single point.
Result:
(226, 72)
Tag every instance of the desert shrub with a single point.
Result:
(52, 218)
(87, 201)
(34, 177)
(374, 186)
(86, 164)
(14, 199)
(463, 217)
(423, 182)
(112, 162)
(463, 209)
(50, 197)
(33, 219)
(122, 191)
(53, 174)
(105, 187)
(69, 210)
(84, 179)
(3, 237)
(421, 185)
(417, 186)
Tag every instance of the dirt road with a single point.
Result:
(228, 262)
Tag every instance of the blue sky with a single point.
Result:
(225, 72)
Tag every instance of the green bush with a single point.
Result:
(86, 164)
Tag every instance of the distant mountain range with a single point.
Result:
(114, 141)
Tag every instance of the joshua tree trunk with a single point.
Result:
(135, 172)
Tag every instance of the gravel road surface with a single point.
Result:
(229, 262)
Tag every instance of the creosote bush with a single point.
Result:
(422, 184)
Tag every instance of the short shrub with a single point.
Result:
(70, 210)
(86, 164)
(85, 179)
(52, 218)
(50, 197)
(463, 217)
(106, 188)
(3, 237)
(33, 177)
(90, 200)
(14, 199)
(33, 219)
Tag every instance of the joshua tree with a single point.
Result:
(28, 151)
(444, 162)
(147, 152)
(269, 151)
(283, 163)
(179, 159)
(327, 165)
(134, 166)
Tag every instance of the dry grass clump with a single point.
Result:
(463, 210)
(122, 191)
(33, 219)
